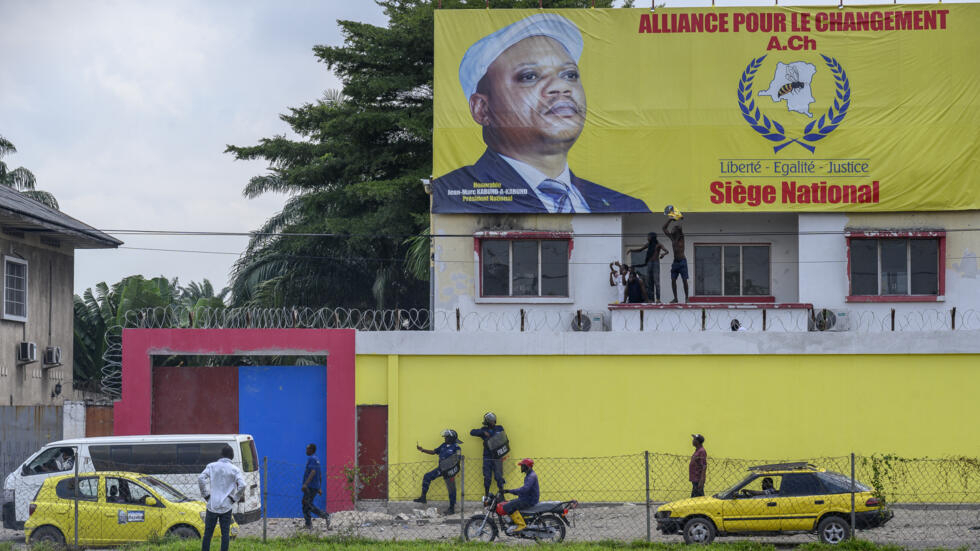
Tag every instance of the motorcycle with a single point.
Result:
(546, 521)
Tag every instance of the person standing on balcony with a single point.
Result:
(679, 266)
(636, 292)
(698, 468)
(617, 279)
(493, 466)
(651, 262)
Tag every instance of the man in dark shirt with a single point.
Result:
(651, 264)
(698, 468)
(311, 487)
(447, 449)
(636, 291)
(679, 266)
(492, 466)
(527, 495)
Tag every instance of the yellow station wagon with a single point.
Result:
(113, 508)
(776, 499)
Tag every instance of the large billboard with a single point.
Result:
(871, 108)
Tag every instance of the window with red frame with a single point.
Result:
(895, 266)
(524, 267)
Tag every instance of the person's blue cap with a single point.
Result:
(480, 55)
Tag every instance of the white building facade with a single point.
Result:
(771, 271)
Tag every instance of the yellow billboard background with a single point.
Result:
(664, 112)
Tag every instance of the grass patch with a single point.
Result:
(310, 543)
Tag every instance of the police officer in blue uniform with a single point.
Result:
(445, 450)
(493, 467)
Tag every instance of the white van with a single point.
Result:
(176, 459)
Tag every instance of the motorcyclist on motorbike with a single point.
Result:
(527, 495)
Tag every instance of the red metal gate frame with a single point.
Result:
(132, 414)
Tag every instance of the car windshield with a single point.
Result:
(837, 483)
(743, 482)
(165, 490)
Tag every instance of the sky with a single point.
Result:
(123, 109)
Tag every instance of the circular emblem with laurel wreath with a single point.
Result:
(771, 130)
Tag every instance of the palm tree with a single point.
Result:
(22, 179)
(108, 308)
(202, 294)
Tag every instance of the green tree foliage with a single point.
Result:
(22, 179)
(354, 172)
(101, 309)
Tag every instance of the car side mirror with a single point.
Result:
(150, 502)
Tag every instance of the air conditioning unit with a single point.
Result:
(26, 352)
(52, 356)
(590, 321)
(830, 320)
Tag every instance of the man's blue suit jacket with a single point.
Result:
(492, 168)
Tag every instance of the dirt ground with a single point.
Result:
(912, 527)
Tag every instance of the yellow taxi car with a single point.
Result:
(776, 499)
(113, 508)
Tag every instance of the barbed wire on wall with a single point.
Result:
(665, 320)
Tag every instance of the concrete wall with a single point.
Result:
(49, 323)
(777, 230)
(758, 395)
(74, 420)
(23, 430)
(823, 260)
(596, 243)
(755, 396)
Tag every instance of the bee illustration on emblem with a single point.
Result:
(794, 83)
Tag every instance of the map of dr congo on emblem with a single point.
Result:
(791, 84)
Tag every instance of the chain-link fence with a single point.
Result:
(915, 503)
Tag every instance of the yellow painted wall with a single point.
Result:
(370, 380)
(753, 407)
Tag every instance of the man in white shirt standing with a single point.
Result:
(221, 484)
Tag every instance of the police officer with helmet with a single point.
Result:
(449, 457)
(495, 448)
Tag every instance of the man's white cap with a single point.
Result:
(480, 55)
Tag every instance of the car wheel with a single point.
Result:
(833, 530)
(699, 530)
(48, 536)
(183, 532)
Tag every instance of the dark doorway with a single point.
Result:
(372, 451)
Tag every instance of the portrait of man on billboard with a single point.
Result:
(524, 89)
